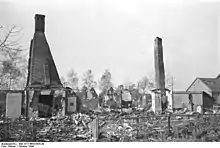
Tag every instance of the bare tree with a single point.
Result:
(63, 80)
(145, 84)
(72, 79)
(13, 64)
(9, 45)
(88, 79)
(169, 81)
(106, 81)
(127, 84)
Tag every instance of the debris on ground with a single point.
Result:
(139, 125)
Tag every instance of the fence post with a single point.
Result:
(169, 123)
(9, 128)
(194, 132)
(25, 128)
(27, 103)
(95, 129)
(162, 134)
(6, 128)
(177, 132)
(137, 126)
(34, 131)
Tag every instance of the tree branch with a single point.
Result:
(6, 44)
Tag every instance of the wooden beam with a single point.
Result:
(27, 103)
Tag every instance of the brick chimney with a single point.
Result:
(159, 72)
(159, 64)
(39, 23)
(158, 41)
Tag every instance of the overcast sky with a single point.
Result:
(119, 35)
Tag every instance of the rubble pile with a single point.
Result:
(118, 132)
(70, 128)
(114, 126)
(127, 130)
(155, 129)
(74, 127)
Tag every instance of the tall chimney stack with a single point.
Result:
(159, 72)
(42, 68)
(39, 23)
(159, 65)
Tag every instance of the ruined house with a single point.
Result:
(183, 99)
(210, 86)
(91, 94)
(42, 71)
(110, 91)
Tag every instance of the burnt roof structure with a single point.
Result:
(42, 71)
(110, 91)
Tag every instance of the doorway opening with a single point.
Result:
(45, 106)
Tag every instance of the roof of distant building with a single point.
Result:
(212, 83)
(187, 92)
